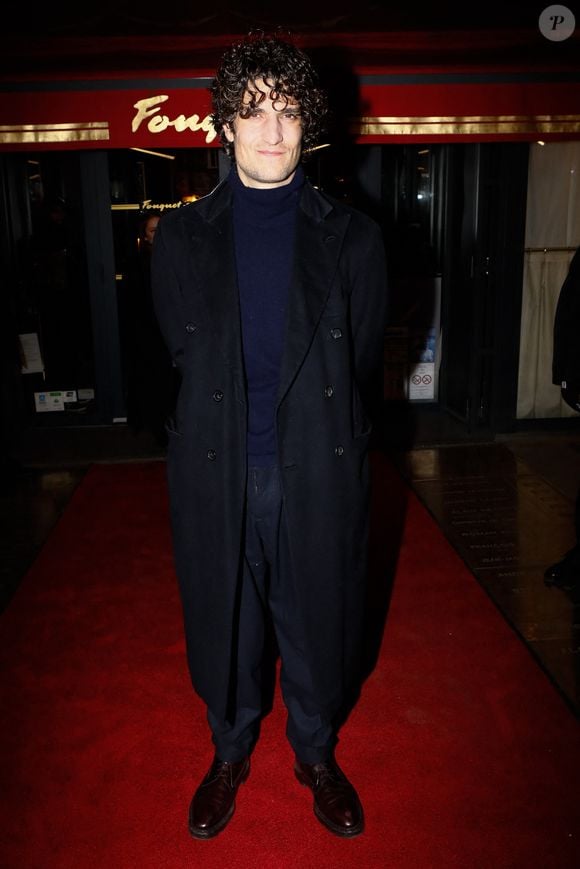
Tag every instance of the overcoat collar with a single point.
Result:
(213, 271)
(320, 231)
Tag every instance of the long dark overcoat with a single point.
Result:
(334, 341)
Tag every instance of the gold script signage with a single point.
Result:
(149, 113)
(75, 115)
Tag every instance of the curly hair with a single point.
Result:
(289, 74)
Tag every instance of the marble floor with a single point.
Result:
(507, 509)
(505, 505)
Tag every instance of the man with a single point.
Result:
(566, 374)
(150, 378)
(271, 298)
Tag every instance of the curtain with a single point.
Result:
(544, 274)
(552, 236)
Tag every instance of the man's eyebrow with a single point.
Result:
(294, 108)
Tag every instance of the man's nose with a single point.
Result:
(273, 132)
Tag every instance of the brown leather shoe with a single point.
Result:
(336, 803)
(214, 801)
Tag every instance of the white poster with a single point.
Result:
(54, 401)
(31, 356)
(422, 381)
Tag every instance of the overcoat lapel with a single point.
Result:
(213, 268)
(319, 236)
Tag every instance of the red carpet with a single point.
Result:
(463, 752)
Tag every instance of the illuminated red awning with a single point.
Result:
(400, 102)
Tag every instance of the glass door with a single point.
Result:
(48, 298)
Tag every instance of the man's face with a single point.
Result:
(150, 229)
(268, 143)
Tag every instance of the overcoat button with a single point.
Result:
(339, 450)
(328, 392)
(330, 238)
(218, 395)
(190, 328)
(211, 454)
(336, 333)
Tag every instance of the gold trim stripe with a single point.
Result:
(469, 125)
(125, 206)
(471, 118)
(86, 125)
(97, 131)
(26, 134)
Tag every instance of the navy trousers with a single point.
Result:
(268, 589)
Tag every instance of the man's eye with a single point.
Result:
(292, 116)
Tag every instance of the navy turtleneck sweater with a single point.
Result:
(264, 232)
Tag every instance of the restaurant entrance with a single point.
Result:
(71, 225)
(453, 218)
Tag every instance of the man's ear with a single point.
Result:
(228, 130)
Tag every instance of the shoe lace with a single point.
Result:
(222, 769)
(326, 773)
